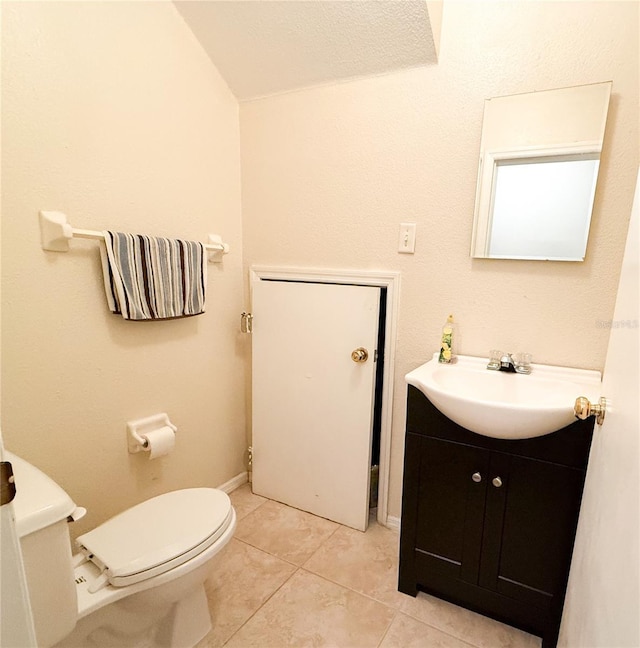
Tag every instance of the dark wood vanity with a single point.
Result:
(487, 523)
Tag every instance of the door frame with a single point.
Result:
(389, 280)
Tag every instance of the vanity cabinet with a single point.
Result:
(488, 523)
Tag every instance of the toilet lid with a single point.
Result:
(157, 535)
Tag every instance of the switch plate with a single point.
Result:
(407, 239)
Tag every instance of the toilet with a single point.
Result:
(137, 579)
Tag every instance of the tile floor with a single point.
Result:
(289, 578)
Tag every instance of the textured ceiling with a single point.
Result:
(265, 47)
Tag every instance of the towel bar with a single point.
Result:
(55, 233)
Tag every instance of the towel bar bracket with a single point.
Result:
(55, 233)
(215, 255)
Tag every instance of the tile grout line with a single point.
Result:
(268, 553)
(398, 612)
(447, 632)
(315, 551)
(253, 510)
(386, 632)
(264, 602)
(351, 589)
(430, 625)
(355, 591)
(289, 562)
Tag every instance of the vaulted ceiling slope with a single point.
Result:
(266, 47)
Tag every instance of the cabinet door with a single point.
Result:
(450, 508)
(530, 521)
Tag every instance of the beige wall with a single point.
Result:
(112, 114)
(330, 172)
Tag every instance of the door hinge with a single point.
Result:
(7, 483)
(246, 322)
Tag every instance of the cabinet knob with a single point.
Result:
(477, 477)
(497, 482)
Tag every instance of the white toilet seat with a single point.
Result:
(157, 535)
(87, 572)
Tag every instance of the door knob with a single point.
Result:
(584, 409)
(360, 355)
(497, 482)
(477, 477)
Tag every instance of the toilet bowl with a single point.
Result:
(136, 580)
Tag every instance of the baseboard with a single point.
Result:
(393, 522)
(234, 482)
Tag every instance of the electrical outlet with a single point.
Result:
(407, 240)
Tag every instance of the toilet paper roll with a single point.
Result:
(160, 441)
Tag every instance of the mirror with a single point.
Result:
(539, 159)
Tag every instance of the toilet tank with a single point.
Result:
(41, 510)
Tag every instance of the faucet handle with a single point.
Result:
(523, 362)
(495, 355)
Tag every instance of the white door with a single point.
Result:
(312, 403)
(16, 624)
(603, 596)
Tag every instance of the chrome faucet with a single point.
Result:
(505, 362)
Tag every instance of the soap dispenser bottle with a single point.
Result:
(446, 344)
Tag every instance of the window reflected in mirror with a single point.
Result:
(549, 198)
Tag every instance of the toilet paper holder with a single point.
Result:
(135, 430)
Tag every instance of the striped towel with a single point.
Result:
(147, 278)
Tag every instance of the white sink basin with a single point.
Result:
(505, 405)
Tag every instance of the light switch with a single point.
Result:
(407, 240)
